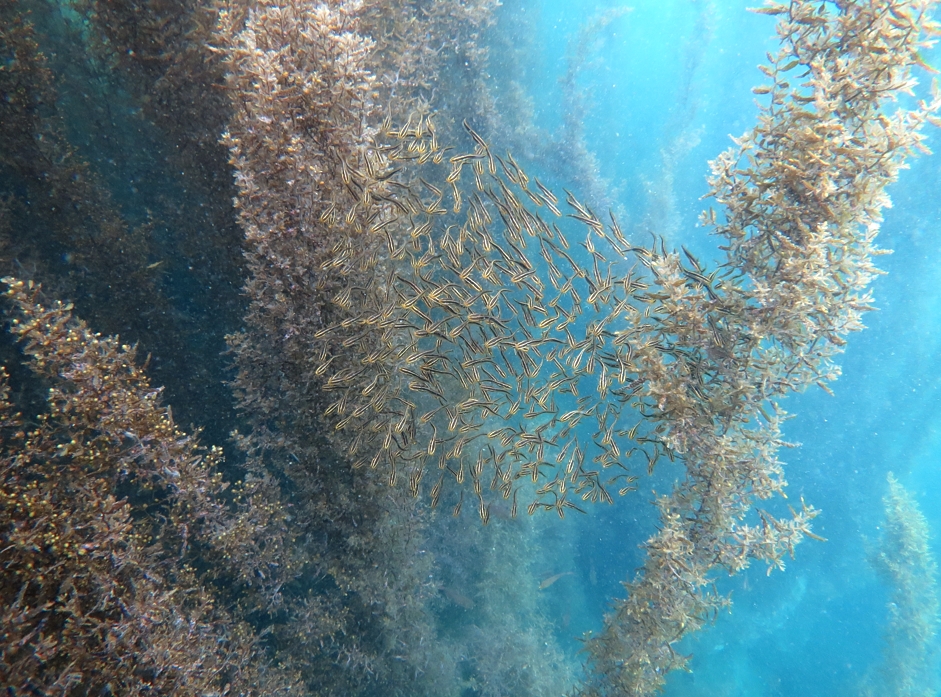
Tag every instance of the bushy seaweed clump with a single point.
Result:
(306, 83)
(110, 515)
(106, 188)
(905, 563)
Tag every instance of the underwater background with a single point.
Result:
(624, 105)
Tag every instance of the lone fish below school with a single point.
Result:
(552, 579)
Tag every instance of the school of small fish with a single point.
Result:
(476, 345)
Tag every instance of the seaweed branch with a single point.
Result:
(802, 195)
(905, 562)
